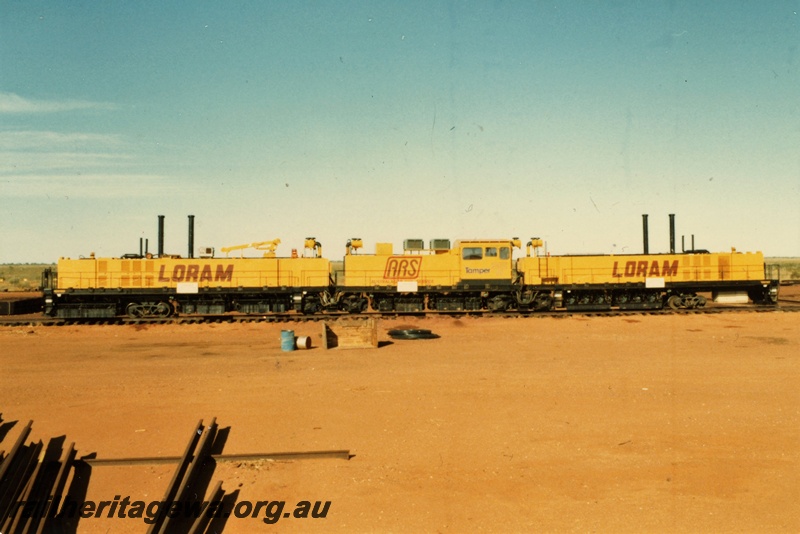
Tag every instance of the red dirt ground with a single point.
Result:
(671, 423)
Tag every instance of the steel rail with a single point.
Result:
(248, 457)
(793, 306)
(190, 475)
(57, 487)
(177, 476)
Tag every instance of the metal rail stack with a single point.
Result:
(36, 480)
(185, 481)
(36, 474)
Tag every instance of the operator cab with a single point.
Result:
(485, 260)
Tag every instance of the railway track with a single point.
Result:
(784, 306)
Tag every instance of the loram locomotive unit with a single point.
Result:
(475, 275)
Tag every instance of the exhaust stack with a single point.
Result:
(160, 235)
(645, 234)
(191, 236)
(672, 233)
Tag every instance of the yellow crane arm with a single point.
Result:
(267, 246)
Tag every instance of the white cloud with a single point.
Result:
(48, 151)
(85, 186)
(47, 140)
(47, 164)
(13, 103)
(22, 162)
(73, 165)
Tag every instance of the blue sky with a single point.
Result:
(387, 121)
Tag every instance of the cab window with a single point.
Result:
(505, 253)
(472, 253)
(491, 252)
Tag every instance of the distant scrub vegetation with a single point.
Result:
(22, 276)
(790, 267)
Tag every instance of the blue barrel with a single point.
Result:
(287, 340)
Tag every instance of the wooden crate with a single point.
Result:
(361, 333)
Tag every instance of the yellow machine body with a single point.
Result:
(466, 261)
(188, 273)
(651, 269)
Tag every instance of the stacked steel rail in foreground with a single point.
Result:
(33, 480)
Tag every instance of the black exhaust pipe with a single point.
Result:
(683, 246)
(160, 235)
(191, 236)
(672, 233)
(645, 233)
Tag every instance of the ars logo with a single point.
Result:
(402, 268)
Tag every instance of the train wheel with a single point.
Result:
(543, 302)
(162, 309)
(137, 310)
(382, 304)
(675, 302)
(311, 305)
(499, 303)
(134, 310)
(354, 304)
